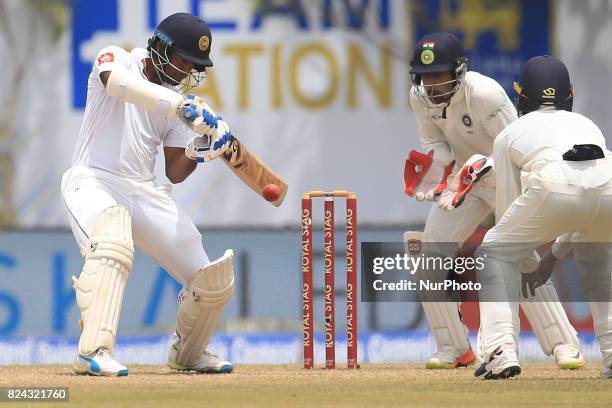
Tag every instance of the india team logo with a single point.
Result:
(427, 55)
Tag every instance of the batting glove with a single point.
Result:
(197, 146)
(206, 148)
(220, 140)
(198, 115)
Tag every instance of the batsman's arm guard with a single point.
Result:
(125, 87)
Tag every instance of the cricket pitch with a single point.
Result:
(291, 385)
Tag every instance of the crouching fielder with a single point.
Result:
(552, 178)
(114, 201)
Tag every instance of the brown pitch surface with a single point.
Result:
(290, 385)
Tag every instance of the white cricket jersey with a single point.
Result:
(119, 137)
(533, 141)
(477, 112)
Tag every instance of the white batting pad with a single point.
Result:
(548, 319)
(443, 317)
(200, 310)
(100, 287)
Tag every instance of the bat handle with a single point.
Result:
(189, 113)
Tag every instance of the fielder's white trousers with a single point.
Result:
(547, 318)
(558, 198)
(160, 228)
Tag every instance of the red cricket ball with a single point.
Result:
(271, 192)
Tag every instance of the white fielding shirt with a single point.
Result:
(477, 112)
(534, 140)
(119, 137)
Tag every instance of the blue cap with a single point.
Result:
(545, 79)
(436, 52)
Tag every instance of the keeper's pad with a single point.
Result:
(446, 324)
(443, 318)
(100, 287)
(201, 308)
(548, 319)
(126, 87)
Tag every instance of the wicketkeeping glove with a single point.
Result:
(424, 176)
(474, 169)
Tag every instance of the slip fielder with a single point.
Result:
(459, 115)
(554, 179)
(135, 104)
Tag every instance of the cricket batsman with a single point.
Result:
(135, 104)
(459, 115)
(554, 179)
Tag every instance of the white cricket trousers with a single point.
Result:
(557, 198)
(160, 228)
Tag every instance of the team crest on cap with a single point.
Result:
(203, 43)
(467, 121)
(427, 55)
(549, 93)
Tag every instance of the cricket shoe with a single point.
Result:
(99, 363)
(450, 357)
(503, 363)
(207, 363)
(568, 357)
(606, 372)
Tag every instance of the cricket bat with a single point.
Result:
(245, 164)
(252, 171)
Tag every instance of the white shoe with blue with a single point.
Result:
(207, 363)
(99, 363)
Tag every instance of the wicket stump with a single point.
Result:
(329, 273)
